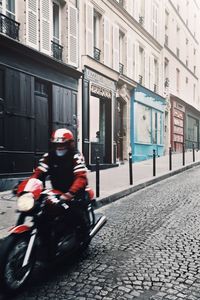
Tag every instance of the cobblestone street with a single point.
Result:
(149, 249)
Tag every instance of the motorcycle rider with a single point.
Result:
(66, 168)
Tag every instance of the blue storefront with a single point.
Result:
(147, 123)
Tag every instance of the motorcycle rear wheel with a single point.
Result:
(13, 276)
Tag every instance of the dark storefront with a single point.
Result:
(37, 95)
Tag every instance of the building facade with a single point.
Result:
(181, 72)
(38, 79)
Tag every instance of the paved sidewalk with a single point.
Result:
(114, 182)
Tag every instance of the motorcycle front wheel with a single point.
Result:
(13, 276)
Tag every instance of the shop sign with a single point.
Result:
(179, 106)
(150, 101)
(98, 78)
(100, 91)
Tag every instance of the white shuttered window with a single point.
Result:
(72, 35)
(89, 29)
(45, 36)
(32, 23)
(116, 47)
(107, 47)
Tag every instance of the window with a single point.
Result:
(10, 9)
(156, 75)
(166, 68)
(142, 12)
(194, 93)
(194, 69)
(186, 80)
(96, 33)
(141, 65)
(155, 20)
(56, 33)
(121, 51)
(7, 7)
(177, 80)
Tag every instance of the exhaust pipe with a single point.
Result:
(98, 226)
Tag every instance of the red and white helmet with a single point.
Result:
(62, 135)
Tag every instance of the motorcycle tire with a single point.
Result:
(13, 277)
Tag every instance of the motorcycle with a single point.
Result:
(44, 230)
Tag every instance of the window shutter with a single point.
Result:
(89, 29)
(136, 61)
(106, 41)
(116, 47)
(146, 68)
(45, 38)
(129, 57)
(32, 23)
(72, 35)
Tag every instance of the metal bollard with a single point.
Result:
(170, 158)
(154, 162)
(183, 155)
(193, 152)
(97, 176)
(130, 168)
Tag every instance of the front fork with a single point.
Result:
(30, 247)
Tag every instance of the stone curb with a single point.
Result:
(116, 196)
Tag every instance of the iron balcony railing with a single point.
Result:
(97, 53)
(121, 68)
(141, 20)
(56, 50)
(9, 27)
(140, 79)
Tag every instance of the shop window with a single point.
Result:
(142, 123)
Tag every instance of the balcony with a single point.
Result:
(56, 50)
(121, 68)
(97, 53)
(9, 27)
(141, 20)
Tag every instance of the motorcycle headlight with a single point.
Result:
(25, 202)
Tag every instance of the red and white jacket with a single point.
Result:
(67, 173)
